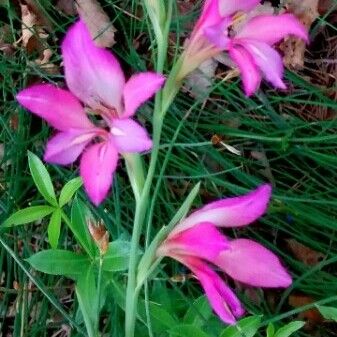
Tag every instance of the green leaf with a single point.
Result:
(199, 312)
(117, 256)
(186, 330)
(289, 329)
(86, 292)
(246, 327)
(69, 189)
(41, 178)
(54, 228)
(329, 313)
(29, 214)
(59, 262)
(270, 330)
(79, 226)
(147, 260)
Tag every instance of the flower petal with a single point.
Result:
(230, 212)
(279, 27)
(250, 74)
(268, 60)
(218, 34)
(129, 136)
(92, 73)
(202, 240)
(222, 299)
(253, 264)
(65, 147)
(98, 163)
(138, 89)
(58, 107)
(230, 7)
(210, 15)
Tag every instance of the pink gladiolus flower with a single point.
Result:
(250, 48)
(93, 76)
(196, 242)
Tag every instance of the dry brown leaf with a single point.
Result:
(34, 35)
(201, 79)
(306, 255)
(311, 316)
(97, 21)
(294, 48)
(67, 6)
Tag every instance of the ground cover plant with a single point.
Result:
(167, 128)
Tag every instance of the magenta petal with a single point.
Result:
(230, 7)
(129, 136)
(92, 73)
(202, 240)
(138, 89)
(210, 15)
(231, 212)
(253, 264)
(250, 74)
(222, 299)
(58, 107)
(279, 27)
(65, 147)
(268, 60)
(217, 34)
(98, 163)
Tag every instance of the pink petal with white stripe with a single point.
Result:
(250, 74)
(202, 240)
(230, 7)
(268, 60)
(129, 136)
(92, 73)
(221, 298)
(278, 27)
(98, 163)
(56, 106)
(231, 212)
(250, 263)
(65, 147)
(138, 89)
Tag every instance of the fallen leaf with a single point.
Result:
(306, 255)
(294, 48)
(66, 6)
(311, 316)
(97, 21)
(200, 80)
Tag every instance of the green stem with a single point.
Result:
(99, 289)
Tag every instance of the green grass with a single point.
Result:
(300, 161)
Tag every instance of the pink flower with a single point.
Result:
(250, 48)
(93, 76)
(196, 242)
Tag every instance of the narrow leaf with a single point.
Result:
(59, 262)
(186, 330)
(86, 292)
(117, 256)
(54, 228)
(29, 214)
(289, 329)
(41, 178)
(199, 312)
(247, 327)
(270, 330)
(69, 189)
(329, 313)
(79, 212)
